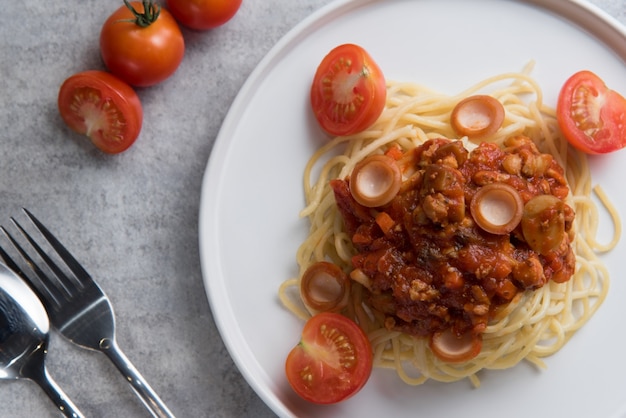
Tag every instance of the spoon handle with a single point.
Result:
(56, 394)
(148, 396)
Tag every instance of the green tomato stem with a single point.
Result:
(150, 13)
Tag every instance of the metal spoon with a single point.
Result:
(24, 339)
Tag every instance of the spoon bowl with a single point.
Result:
(24, 335)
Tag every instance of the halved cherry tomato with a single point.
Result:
(333, 360)
(141, 43)
(592, 116)
(203, 14)
(103, 107)
(348, 92)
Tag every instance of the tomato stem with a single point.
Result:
(150, 13)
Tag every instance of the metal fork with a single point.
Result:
(76, 305)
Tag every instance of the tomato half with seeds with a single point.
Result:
(332, 361)
(141, 43)
(348, 92)
(591, 115)
(103, 107)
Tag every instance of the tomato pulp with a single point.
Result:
(333, 360)
(592, 116)
(348, 92)
(103, 107)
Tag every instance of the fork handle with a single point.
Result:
(143, 390)
(56, 394)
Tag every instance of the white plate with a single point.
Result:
(251, 196)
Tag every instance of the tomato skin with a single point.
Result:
(592, 116)
(348, 92)
(332, 361)
(141, 56)
(82, 100)
(203, 14)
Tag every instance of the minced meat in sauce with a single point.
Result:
(431, 267)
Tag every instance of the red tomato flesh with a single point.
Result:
(332, 362)
(348, 92)
(103, 107)
(592, 116)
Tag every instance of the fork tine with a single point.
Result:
(11, 264)
(81, 274)
(9, 261)
(66, 283)
(39, 286)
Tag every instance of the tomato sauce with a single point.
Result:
(427, 266)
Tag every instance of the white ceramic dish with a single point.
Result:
(251, 196)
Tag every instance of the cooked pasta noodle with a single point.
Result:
(536, 323)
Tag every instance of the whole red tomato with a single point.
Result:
(141, 43)
(203, 14)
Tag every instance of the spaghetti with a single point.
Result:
(533, 325)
